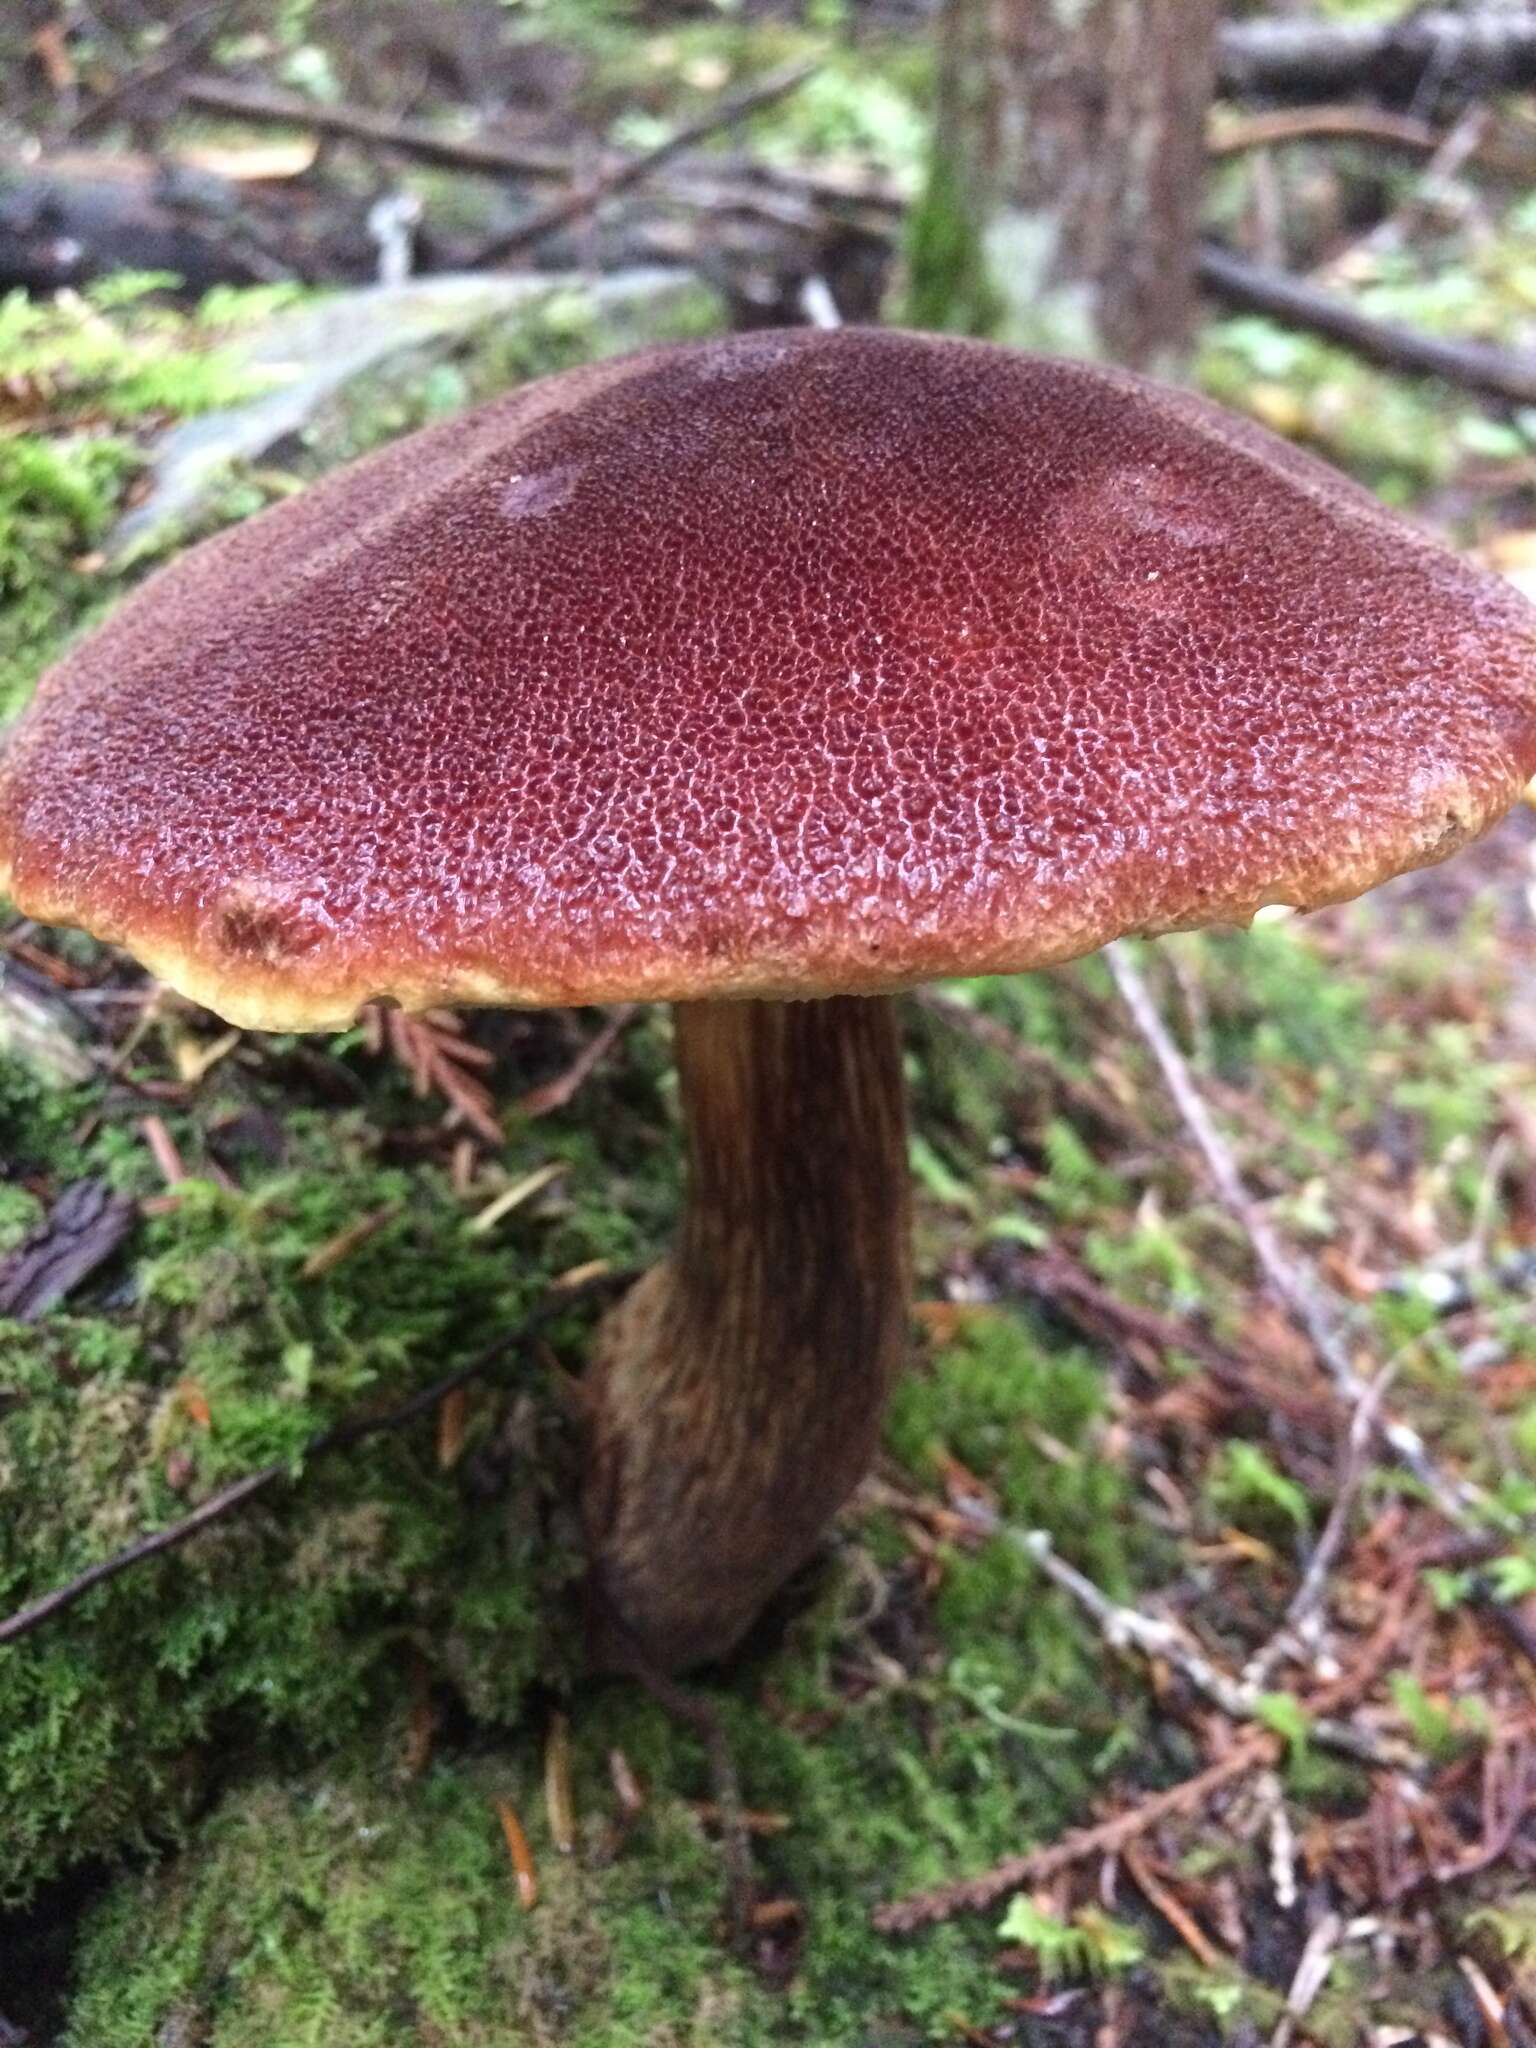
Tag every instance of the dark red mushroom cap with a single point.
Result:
(785, 665)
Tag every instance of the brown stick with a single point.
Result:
(1499, 373)
(1253, 1748)
(1230, 136)
(561, 212)
(239, 1491)
(1507, 149)
(267, 108)
(555, 1094)
(1105, 1838)
(1087, 1102)
(1163, 1900)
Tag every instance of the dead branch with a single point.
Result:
(1087, 1103)
(1253, 1749)
(555, 1094)
(1231, 135)
(1310, 1593)
(1163, 1900)
(1508, 374)
(725, 113)
(700, 1714)
(229, 1498)
(414, 139)
(1238, 1699)
(1484, 50)
(1063, 1283)
(83, 1229)
(1105, 1838)
(1291, 1286)
(1508, 149)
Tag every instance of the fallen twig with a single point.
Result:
(1104, 1838)
(700, 1714)
(1062, 1282)
(1230, 135)
(1293, 1288)
(1237, 1698)
(1309, 1595)
(1506, 149)
(83, 1229)
(555, 1094)
(1162, 1900)
(1311, 1974)
(1509, 374)
(1086, 1103)
(619, 177)
(163, 1150)
(267, 108)
(730, 1810)
(218, 1505)
(1253, 1748)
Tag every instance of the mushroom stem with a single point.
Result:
(738, 1387)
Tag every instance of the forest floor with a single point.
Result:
(330, 1774)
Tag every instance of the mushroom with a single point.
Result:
(768, 676)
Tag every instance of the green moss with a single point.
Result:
(344, 1906)
(288, 1622)
(99, 363)
(950, 287)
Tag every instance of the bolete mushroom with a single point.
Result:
(767, 676)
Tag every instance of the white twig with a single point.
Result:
(1306, 1602)
(1289, 1283)
(1312, 1973)
(1282, 1843)
(818, 304)
(1122, 1626)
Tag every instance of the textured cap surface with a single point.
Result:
(787, 664)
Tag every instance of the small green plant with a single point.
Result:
(1091, 1944)
(1247, 1487)
(1443, 1729)
(85, 371)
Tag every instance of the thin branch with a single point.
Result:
(704, 1718)
(1290, 1285)
(557, 1093)
(1163, 1900)
(1309, 1595)
(1507, 149)
(1231, 135)
(1061, 1282)
(1509, 374)
(1087, 1102)
(414, 139)
(239, 1491)
(1238, 1699)
(1105, 1838)
(725, 113)
(1253, 1749)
